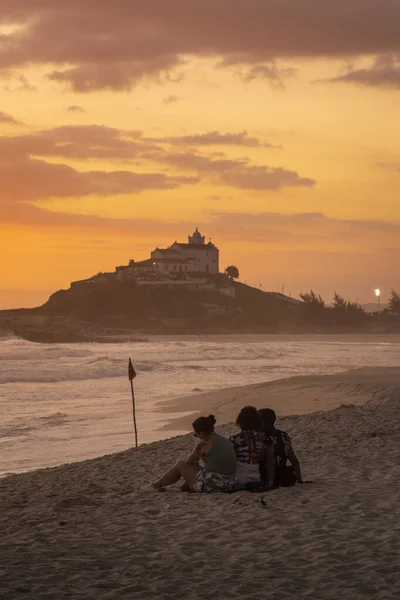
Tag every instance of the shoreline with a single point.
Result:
(138, 336)
(290, 397)
(94, 528)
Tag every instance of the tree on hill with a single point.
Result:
(394, 303)
(339, 302)
(232, 272)
(356, 307)
(312, 299)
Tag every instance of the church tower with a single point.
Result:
(197, 239)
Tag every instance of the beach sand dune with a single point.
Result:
(92, 530)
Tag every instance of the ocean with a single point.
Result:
(68, 402)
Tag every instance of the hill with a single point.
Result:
(123, 310)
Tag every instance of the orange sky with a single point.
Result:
(272, 126)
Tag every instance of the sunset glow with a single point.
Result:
(124, 125)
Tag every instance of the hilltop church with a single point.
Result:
(195, 256)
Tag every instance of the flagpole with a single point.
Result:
(134, 413)
(132, 375)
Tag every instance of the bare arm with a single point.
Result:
(195, 456)
(200, 450)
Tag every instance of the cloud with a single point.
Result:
(27, 175)
(315, 230)
(78, 142)
(384, 72)
(30, 179)
(235, 173)
(19, 83)
(75, 108)
(7, 119)
(215, 197)
(296, 231)
(116, 76)
(268, 71)
(211, 138)
(24, 85)
(85, 142)
(251, 177)
(393, 166)
(117, 48)
(172, 99)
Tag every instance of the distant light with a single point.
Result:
(377, 292)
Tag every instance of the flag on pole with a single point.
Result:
(132, 375)
(131, 371)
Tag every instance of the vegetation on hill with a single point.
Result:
(126, 306)
(232, 272)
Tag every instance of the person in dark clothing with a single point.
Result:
(285, 475)
(253, 449)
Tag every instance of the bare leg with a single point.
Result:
(181, 469)
(171, 476)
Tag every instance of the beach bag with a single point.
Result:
(285, 475)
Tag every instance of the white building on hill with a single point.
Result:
(195, 256)
(181, 265)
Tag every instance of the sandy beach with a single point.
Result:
(290, 396)
(92, 529)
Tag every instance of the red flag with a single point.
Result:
(131, 371)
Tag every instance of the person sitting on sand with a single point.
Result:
(252, 448)
(285, 475)
(219, 459)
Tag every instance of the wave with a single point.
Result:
(23, 362)
(13, 349)
(55, 372)
(21, 429)
(15, 430)
(57, 418)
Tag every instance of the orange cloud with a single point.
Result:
(269, 229)
(211, 138)
(20, 164)
(76, 109)
(384, 72)
(77, 142)
(36, 179)
(235, 173)
(7, 119)
(117, 46)
(172, 99)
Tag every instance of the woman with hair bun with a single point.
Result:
(218, 457)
